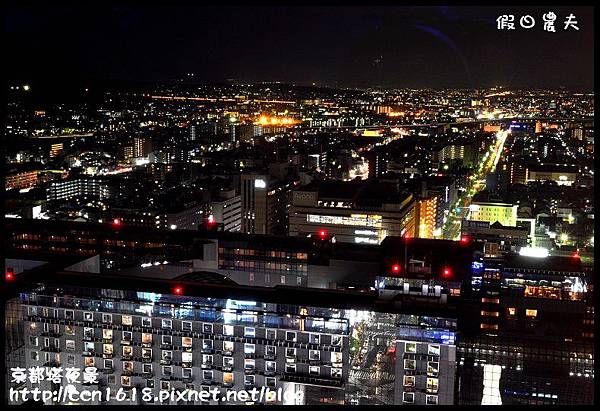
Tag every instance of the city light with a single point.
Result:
(461, 217)
(266, 120)
(537, 252)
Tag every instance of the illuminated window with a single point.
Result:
(336, 357)
(433, 350)
(531, 313)
(433, 368)
(432, 385)
(107, 349)
(107, 334)
(249, 348)
(410, 347)
(228, 347)
(490, 313)
(512, 311)
(227, 378)
(354, 220)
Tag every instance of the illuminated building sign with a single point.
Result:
(363, 220)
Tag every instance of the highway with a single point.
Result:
(452, 228)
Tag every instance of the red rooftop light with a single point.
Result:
(322, 233)
(116, 221)
(178, 290)
(576, 255)
(447, 272)
(396, 268)
(9, 274)
(464, 239)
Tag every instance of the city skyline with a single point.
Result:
(299, 206)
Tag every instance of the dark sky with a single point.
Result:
(346, 47)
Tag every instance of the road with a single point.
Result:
(452, 228)
(75, 135)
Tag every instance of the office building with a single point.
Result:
(56, 149)
(78, 188)
(425, 370)
(198, 343)
(141, 147)
(427, 217)
(227, 210)
(531, 344)
(451, 152)
(354, 212)
(505, 214)
(264, 204)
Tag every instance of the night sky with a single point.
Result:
(339, 47)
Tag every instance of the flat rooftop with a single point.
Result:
(359, 192)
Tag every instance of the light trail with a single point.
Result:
(452, 228)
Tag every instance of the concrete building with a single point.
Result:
(354, 212)
(227, 210)
(264, 204)
(425, 371)
(559, 173)
(142, 146)
(200, 344)
(464, 152)
(79, 187)
(505, 214)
